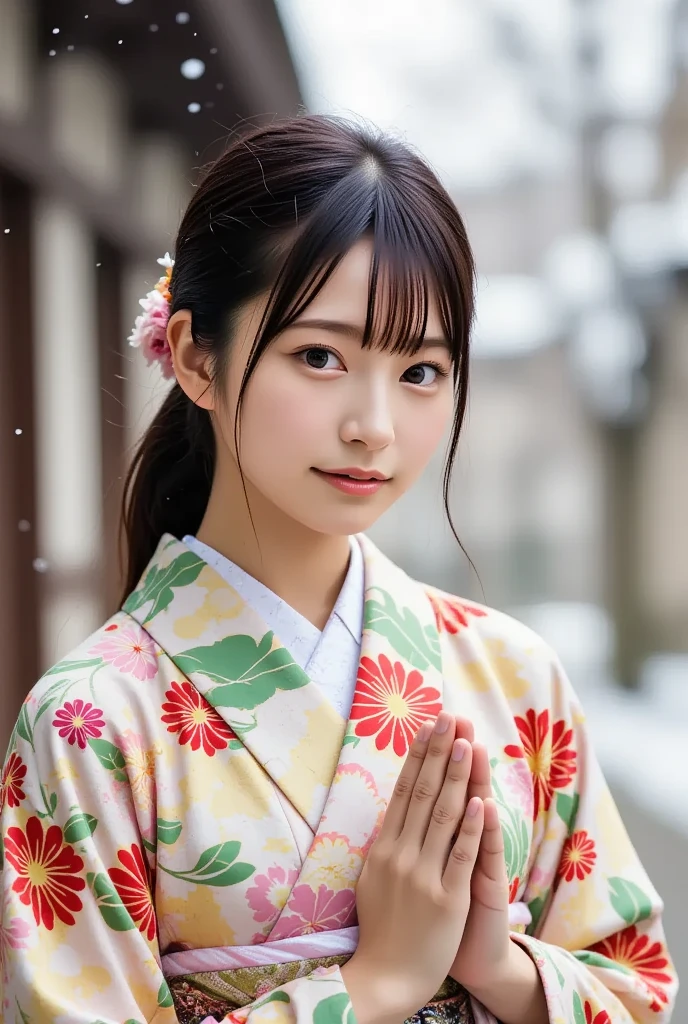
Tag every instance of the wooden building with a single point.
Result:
(100, 138)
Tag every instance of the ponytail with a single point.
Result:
(168, 483)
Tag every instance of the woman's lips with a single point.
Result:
(360, 487)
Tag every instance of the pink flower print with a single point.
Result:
(518, 781)
(320, 911)
(271, 892)
(140, 768)
(78, 722)
(14, 934)
(129, 649)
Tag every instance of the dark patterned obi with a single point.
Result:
(208, 984)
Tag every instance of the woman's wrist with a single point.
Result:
(375, 999)
(515, 995)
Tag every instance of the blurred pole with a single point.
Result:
(619, 438)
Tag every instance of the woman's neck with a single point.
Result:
(304, 568)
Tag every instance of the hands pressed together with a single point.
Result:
(433, 896)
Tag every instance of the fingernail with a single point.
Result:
(442, 723)
(473, 807)
(424, 733)
(458, 750)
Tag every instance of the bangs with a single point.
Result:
(420, 255)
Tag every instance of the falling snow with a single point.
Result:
(183, 18)
(192, 68)
(40, 565)
(194, 108)
(23, 525)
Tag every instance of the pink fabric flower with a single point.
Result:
(129, 649)
(78, 722)
(14, 934)
(519, 783)
(150, 327)
(319, 911)
(270, 892)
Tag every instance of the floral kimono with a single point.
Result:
(185, 815)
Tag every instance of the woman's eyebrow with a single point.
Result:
(348, 330)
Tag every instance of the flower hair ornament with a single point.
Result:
(150, 327)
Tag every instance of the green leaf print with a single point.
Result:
(159, 583)
(24, 726)
(108, 901)
(168, 831)
(629, 901)
(80, 826)
(216, 866)
(110, 756)
(536, 907)
(578, 1011)
(567, 809)
(351, 736)
(418, 645)
(251, 672)
(164, 995)
(597, 960)
(332, 1010)
(24, 1016)
(63, 668)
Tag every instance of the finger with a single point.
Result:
(491, 860)
(395, 815)
(464, 852)
(449, 807)
(480, 783)
(464, 729)
(429, 781)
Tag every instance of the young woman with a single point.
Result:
(286, 782)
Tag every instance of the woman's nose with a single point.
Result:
(372, 422)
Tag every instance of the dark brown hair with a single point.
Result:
(278, 212)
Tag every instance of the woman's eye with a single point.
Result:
(320, 359)
(423, 373)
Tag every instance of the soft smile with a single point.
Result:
(361, 482)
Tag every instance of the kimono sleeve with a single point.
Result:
(597, 937)
(78, 926)
(317, 998)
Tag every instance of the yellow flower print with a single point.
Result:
(220, 604)
(333, 862)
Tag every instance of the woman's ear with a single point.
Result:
(190, 364)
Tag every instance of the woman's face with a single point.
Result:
(332, 434)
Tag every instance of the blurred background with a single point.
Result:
(561, 130)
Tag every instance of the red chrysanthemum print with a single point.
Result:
(190, 715)
(132, 883)
(13, 775)
(451, 615)
(549, 754)
(513, 889)
(601, 1017)
(578, 857)
(645, 956)
(391, 705)
(78, 722)
(48, 872)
